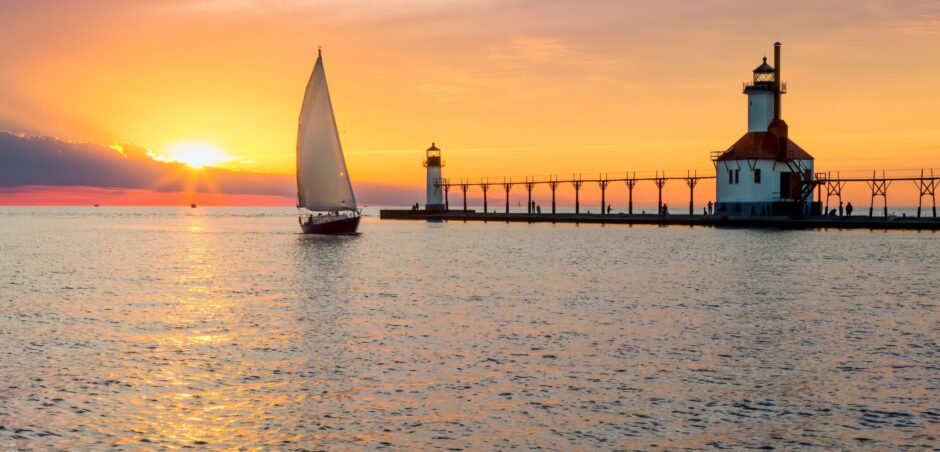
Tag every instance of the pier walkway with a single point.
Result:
(829, 187)
(818, 222)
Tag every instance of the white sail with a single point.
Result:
(322, 179)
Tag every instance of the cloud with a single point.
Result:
(29, 160)
(334, 9)
(539, 49)
(31, 164)
(924, 25)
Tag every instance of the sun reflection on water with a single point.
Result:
(202, 386)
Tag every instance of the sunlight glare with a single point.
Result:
(197, 154)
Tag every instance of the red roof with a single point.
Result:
(762, 145)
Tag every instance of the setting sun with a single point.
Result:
(197, 154)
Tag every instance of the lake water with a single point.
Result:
(225, 328)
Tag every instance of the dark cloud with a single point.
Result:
(44, 161)
(48, 161)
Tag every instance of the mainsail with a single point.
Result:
(322, 180)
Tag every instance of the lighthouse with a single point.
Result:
(435, 196)
(764, 172)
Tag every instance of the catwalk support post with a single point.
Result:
(446, 185)
(485, 186)
(529, 185)
(464, 186)
(507, 186)
(631, 182)
(602, 182)
(577, 182)
(691, 179)
(834, 187)
(553, 184)
(660, 182)
(926, 187)
(879, 187)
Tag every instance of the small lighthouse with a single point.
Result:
(433, 162)
(764, 172)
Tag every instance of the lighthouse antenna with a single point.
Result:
(777, 96)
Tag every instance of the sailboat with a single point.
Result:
(325, 197)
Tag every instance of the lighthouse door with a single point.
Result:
(784, 185)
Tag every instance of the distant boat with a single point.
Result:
(192, 206)
(97, 205)
(324, 193)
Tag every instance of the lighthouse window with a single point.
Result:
(757, 176)
(737, 176)
(730, 177)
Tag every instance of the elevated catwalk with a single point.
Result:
(822, 222)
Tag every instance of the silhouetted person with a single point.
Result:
(538, 209)
(840, 208)
(608, 209)
(665, 209)
(849, 209)
(709, 212)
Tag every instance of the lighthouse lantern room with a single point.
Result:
(764, 172)
(435, 196)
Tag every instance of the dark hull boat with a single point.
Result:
(322, 179)
(330, 225)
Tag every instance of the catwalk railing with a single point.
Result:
(576, 181)
(926, 184)
(831, 182)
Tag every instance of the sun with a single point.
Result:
(197, 154)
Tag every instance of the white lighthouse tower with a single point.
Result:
(764, 172)
(760, 98)
(433, 162)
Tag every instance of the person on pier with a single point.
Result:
(538, 209)
(709, 211)
(849, 209)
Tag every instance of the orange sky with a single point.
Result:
(504, 87)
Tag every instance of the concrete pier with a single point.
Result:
(819, 222)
